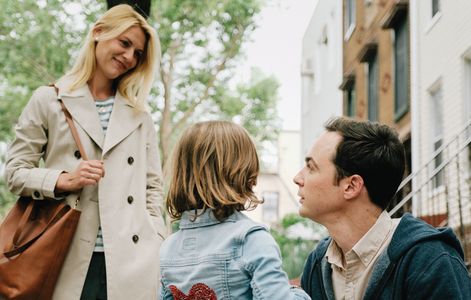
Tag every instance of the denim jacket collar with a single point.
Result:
(205, 218)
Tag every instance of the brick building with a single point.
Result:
(376, 63)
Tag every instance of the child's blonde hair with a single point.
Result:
(215, 166)
(134, 85)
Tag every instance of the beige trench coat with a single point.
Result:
(127, 200)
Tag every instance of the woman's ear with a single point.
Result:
(96, 33)
(353, 186)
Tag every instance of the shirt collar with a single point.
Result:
(367, 247)
(203, 218)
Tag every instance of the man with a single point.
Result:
(351, 174)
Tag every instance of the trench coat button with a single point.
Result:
(77, 154)
(36, 194)
(130, 199)
(130, 160)
(135, 238)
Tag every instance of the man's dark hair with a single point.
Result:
(374, 152)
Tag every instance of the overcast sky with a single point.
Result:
(276, 49)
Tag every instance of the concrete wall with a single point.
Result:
(321, 71)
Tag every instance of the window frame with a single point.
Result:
(350, 18)
(435, 7)
(373, 89)
(401, 58)
(437, 132)
(269, 207)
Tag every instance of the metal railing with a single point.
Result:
(440, 191)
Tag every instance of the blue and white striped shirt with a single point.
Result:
(104, 108)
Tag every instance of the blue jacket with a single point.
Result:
(421, 262)
(233, 259)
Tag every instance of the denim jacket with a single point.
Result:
(233, 259)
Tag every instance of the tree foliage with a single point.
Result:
(37, 39)
(201, 45)
(295, 248)
(202, 42)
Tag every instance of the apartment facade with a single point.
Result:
(441, 106)
(376, 65)
(321, 71)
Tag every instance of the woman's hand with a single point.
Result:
(87, 173)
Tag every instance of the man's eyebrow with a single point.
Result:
(310, 160)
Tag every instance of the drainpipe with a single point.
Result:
(415, 99)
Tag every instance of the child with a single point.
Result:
(219, 253)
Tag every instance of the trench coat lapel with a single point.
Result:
(124, 119)
(82, 107)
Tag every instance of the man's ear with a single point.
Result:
(353, 186)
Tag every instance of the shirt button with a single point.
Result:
(36, 194)
(135, 238)
(77, 154)
(130, 160)
(130, 199)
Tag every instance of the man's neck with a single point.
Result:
(349, 227)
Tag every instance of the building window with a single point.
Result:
(401, 68)
(435, 7)
(373, 88)
(436, 120)
(270, 206)
(349, 17)
(351, 101)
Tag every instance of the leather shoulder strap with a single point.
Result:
(69, 120)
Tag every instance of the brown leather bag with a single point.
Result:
(34, 241)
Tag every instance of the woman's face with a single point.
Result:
(117, 56)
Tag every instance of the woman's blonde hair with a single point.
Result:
(215, 165)
(135, 84)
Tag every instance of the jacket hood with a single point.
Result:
(412, 231)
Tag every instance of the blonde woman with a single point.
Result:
(114, 254)
(219, 253)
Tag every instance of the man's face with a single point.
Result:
(320, 196)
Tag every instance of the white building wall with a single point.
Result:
(321, 71)
(443, 45)
(281, 181)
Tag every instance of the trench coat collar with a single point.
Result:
(81, 106)
(80, 103)
(124, 120)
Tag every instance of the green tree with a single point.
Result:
(37, 39)
(201, 46)
(294, 246)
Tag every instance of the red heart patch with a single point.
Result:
(199, 291)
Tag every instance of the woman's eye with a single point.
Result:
(125, 43)
(138, 55)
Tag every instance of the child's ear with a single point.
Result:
(353, 186)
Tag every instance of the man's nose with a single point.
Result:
(298, 179)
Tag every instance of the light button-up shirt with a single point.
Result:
(352, 271)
